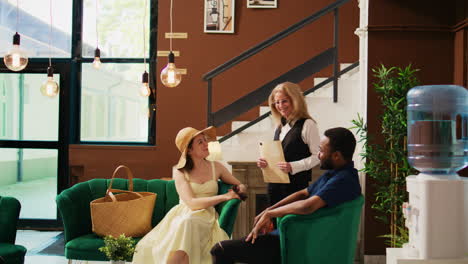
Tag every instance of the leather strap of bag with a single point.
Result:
(129, 176)
(110, 193)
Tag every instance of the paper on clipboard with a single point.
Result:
(272, 152)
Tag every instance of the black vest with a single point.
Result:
(294, 149)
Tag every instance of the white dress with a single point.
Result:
(194, 232)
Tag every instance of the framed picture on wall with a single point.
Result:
(262, 3)
(219, 16)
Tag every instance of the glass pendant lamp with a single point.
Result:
(16, 58)
(170, 75)
(50, 87)
(97, 52)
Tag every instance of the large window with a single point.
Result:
(33, 143)
(119, 28)
(111, 108)
(33, 25)
(30, 175)
(95, 106)
(25, 114)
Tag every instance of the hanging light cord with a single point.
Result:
(144, 34)
(17, 14)
(97, 33)
(50, 34)
(170, 19)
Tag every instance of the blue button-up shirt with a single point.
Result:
(337, 186)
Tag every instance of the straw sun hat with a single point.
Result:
(184, 137)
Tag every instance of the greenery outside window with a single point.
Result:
(112, 110)
(95, 106)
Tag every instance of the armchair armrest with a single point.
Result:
(227, 210)
(10, 208)
(326, 236)
(228, 214)
(74, 208)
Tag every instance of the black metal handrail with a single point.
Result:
(306, 92)
(258, 96)
(297, 74)
(272, 40)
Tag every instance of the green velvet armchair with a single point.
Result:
(73, 204)
(327, 236)
(9, 213)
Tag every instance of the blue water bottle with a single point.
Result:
(437, 129)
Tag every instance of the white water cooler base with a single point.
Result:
(437, 219)
(396, 256)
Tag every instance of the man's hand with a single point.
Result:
(242, 188)
(257, 218)
(260, 227)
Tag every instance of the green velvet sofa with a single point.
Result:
(327, 236)
(9, 213)
(73, 204)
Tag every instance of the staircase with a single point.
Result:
(244, 145)
(329, 106)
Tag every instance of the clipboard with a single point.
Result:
(272, 152)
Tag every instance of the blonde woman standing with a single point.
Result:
(189, 230)
(299, 136)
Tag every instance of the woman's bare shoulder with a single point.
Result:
(177, 174)
(219, 165)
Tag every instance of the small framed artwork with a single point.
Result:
(262, 3)
(219, 16)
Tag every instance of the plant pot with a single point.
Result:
(117, 261)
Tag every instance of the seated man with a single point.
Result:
(338, 185)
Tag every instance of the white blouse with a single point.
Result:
(310, 136)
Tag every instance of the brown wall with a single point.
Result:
(403, 32)
(460, 73)
(186, 105)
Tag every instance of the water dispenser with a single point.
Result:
(437, 148)
(437, 129)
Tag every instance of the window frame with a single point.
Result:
(78, 60)
(70, 70)
(39, 66)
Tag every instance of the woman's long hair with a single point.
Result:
(188, 160)
(294, 92)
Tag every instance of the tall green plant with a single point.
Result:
(386, 163)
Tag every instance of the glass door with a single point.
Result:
(33, 148)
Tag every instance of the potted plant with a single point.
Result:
(118, 249)
(386, 162)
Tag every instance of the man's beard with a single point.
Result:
(326, 164)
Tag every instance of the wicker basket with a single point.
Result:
(127, 212)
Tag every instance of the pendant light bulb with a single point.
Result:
(97, 59)
(170, 76)
(145, 90)
(16, 59)
(50, 87)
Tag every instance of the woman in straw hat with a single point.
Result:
(299, 136)
(190, 229)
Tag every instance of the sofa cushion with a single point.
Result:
(86, 246)
(172, 198)
(12, 253)
(156, 186)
